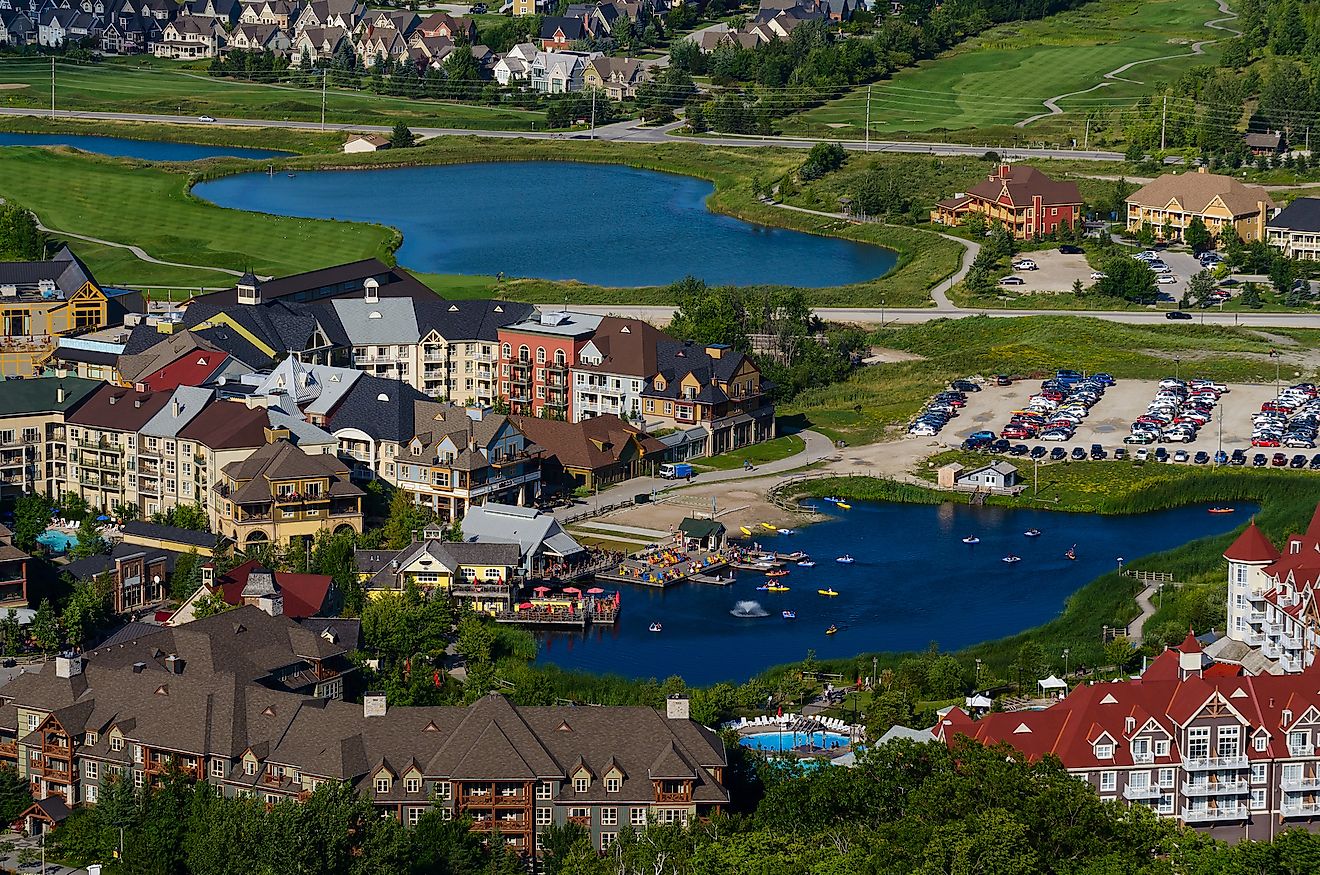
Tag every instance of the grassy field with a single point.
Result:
(300, 142)
(875, 399)
(149, 85)
(757, 454)
(1004, 75)
(150, 205)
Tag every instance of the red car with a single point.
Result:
(1017, 431)
(1279, 459)
(1275, 407)
(1266, 442)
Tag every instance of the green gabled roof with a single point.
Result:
(37, 395)
(695, 528)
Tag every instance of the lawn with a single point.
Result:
(147, 85)
(757, 454)
(874, 400)
(286, 140)
(1003, 75)
(150, 206)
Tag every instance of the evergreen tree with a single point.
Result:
(90, 542)
(45, 627)
(402, 137)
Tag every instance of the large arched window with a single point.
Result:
(540, 355)
(559, 357)
(524, 354)
(506, 351)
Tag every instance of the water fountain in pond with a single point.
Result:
(749, 609)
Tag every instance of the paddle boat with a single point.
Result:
(1032, 533)
(1010, 559)
(1221, 510)
(831, 499)
(1071, 555)
(846, 559)
(789, 615)
(765, 587)
(776, 587)
(831, 630)
(656, 627)
(791, 557)
(778, 572)
(843, 505)
(971, 539)
(746, 531)
(831, 592)
(806, 563)
(787, 532)
(768, 527)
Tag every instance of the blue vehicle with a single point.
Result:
(676, 471)
(1104, 379)
(1221, 458)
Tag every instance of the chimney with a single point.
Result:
(373, 704)
(137, 402)
(173, 664)
(68, 664)
(1202, 169)
(372, 290)
(1129, 725)
(1004, 170)
(176, 408)
(677, 707)
(59, 394)
(113, 399)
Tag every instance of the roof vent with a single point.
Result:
(382, 397)
(375, 314)
(269, 712)
(162, 690)
(453, 308)
(138, 667)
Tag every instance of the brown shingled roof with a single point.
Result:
(1197, 191)
(596, 442)
(1022, 183)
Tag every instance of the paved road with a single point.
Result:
(626, 132)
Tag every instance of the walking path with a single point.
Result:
(1136, 629)
(1115, 75)
(137, 251)
(653, 534)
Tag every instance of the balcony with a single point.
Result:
(1210, 764)
(584, 822)
(1255, 639)
(1143, 757)
(1301, 750)
(1256, 617)
(1220, 788)
(1292, 643)
(1134, 793)
(679, 796)
(1300, 809)
(1301, 785)
(1213, 815)
(1270, 649)
(1290, 665)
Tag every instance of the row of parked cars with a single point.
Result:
(1289, 420)
(1163, 273)
(943, 407)
(1054, 413)
(1177, 412)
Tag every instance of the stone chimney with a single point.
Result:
(677, 707)
(373, 704)
(68, 664)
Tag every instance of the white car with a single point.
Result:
(1024, 264)
(921, 429)
(1142, 454)
(205, 118)
(1181, 456)
(1167, 279)
(1054, 434)
(1097, 275)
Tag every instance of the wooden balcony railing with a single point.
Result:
(581, 821)
(679, 796)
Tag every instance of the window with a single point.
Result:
(1165, 805)
(137, 778)
(90, 792)
(217, 768)
(544, 790)
(413, 785)
(1258, 773)
(544, 816)
(137, 753)
(580, 785)
(91, 769)
(1229, 741)
(382, 785)
(92, 737)
(540, 355)
(116, 743)
(1108, 781)
(607, 839)
(1198, 742)
(1104, 751)
(415, 815)
(1161, 747)
(1261, 742)
(609, 817)
(637, 817)
(1258, 799)
(1298, 740)
(249, 767)
(1139, 779)
(442, 790)
(272, 798)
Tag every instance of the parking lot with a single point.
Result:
(1055, 272)
(1111, 418)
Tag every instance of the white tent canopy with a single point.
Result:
(978, 701)
(1053, 683)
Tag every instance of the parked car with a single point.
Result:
(1142, 454)
(1167, 279)
(1201, 458)
(1018, 450)
(1120, 454)
(965, 386)
(1297, 461)
(1038, 452)
(1177, 314)
(1024, 264)
(1239, 457)
(1012, 281)
(1181, 456)
(1097, 451)
(1315, 462)
(1221, 457)
(1003, 380)
(1058, 454)
(1259, 461)
(1279, 460)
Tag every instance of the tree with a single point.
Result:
(31, 516)
(45, 627)
(1128, 279)
(87, 607)
(90, 542)
(1200, 287)
(1197, 235)
(1231, 243)
(1118, 653)
(184, 516)
(707, 315)
(11, 632)
(15, 794)
(20, 238)
(402, 137)
(1251, 296)
(210, 604)
(74, 506)
(406, 519)
(186, 577)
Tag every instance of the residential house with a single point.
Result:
(189, 37)
(559, 72)
(530, 7)
(998, 477)
(126, 34)
(33, 446)
(63, 26)
(715, 388)
(1295, 230)
(139, 577)
(41, 300)
(13, 572)
(16, 28)
(1168, 204)
(281, 494)
(442, 24)
(383, 35)
(516, 64)
(617, 77)
(542, 541)
(345, 15)
(259, 38)
(276, 593)
(366, 143)
(282, 14)
(535, 358)
(479, 575)
(614, 367)
(225, 13)
(318, 44)
(1021, 198)
(1264, 143)
(559, 34)
(1195, 740)
(591, 454)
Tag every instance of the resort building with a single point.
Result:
(33, 441)
(138, 576)
(535, 357)
(715, 388)
(13, 572)
(149, 702)
(1193, 739)
(41, 300)
(1295, 231)
(591, 454)
(102, 442)
(542, 542)
(281, 494)
(277, 593)
(1168, 204)
(485, 576)
(613, 368)
(1022, 199)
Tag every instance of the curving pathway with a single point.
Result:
(138, 251)
(1115, 75)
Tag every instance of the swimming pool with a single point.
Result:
(56, 540)
(785, 741)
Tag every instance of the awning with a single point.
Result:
(1053, 683)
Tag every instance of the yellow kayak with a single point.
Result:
(828, 592)
(745, 530)
(768, 526)
(776, 588)
(844, 506)
(831, 630)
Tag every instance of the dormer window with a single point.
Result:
(1104, 751)
(612, 785)
(581, 784)
(116, 743)
(249, 767)
(382, 785)
(414, 785)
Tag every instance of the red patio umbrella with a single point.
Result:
(525, 606)
(541, 589)
(595, 590)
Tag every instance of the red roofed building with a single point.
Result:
(295, 596)
(1021, 198)
(1219, 750)
(1273, 602)
(193, 368)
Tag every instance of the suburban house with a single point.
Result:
(715, 388)
(591, 454)
(59, 26)
(1196, 740)
(277, 593)
(13, 572)
(259, 38)
(189, 37)
(485, 576)
(41, 300)
(1264, 142)
(366, 143)
(16, 28)
(559, 72)
(442, 24)
(277, 13)
(33, 441)
(283, 495)
(149, 702)
(541, 540)
(617, 77)
(558, 34)
(1022, 199)
(535, 357)
(1295, 230)
(516, 64)
(1168, 204)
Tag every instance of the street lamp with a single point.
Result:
(978, 673)
(1176, 362)
(1274, 354)
(882, 312)
(1066, 653)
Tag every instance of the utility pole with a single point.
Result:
(868, 118)
(593, 113)
(1086, 137)
(52, 86)
(1164, 118)
(323, 75)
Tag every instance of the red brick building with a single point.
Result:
(1020, 198)
(535, 357)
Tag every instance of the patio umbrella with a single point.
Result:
(572, 590)
(102, 518)
(525, 606)
(595, 590)
(541, 589)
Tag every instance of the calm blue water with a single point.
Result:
(56, 540)
(914, 582)
(597, 223)
(149, 150)
(782, 741)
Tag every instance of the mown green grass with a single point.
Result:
(147, 85)
(1003, 75)
(757, 454)
(151, 206)
(283, 139)
(874, 400)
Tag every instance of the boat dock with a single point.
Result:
(715, 579)
(666, 566)
(596, 613)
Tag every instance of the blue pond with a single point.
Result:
(149, 150)
(598, 223)
(914, 582)
(778, 742)
(56, 540)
